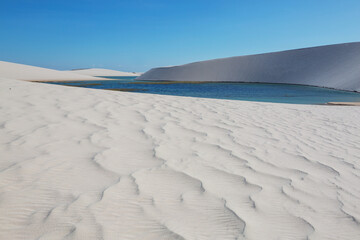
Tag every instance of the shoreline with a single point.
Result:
(344, 103)
(88, 84)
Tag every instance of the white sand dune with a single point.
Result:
(93, 164)
(31, 73)
(332, 66)
(96, 72)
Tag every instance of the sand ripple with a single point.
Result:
(91, 164)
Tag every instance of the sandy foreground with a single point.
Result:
(93, 164)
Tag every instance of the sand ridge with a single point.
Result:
(94, 164)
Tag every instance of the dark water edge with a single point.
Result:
(261, 92)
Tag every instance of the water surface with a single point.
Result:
(263, 92)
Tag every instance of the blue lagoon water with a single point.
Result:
(279, 93)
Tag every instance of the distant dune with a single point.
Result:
(31, 73)
(96, 72)
(333, 66)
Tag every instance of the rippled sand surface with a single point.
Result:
(93, 164)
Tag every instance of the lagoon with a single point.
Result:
(262, 92)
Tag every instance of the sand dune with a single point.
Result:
(96, 72)
(333, 66)
(31, 73)
(92, 164)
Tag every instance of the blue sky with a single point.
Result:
(136, 35)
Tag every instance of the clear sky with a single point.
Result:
(136, 35)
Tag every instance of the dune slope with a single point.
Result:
(31, 73)
(332, 66)
(92, 164)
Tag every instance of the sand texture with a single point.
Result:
(92, 164)
(332, 66)
(95, 72)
